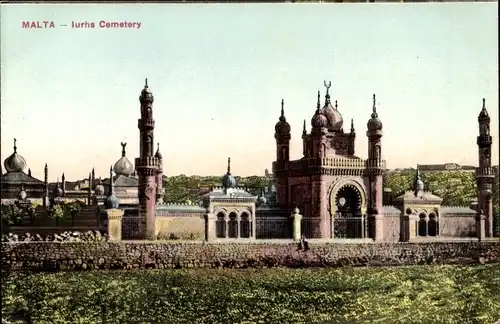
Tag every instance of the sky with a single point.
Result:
(218, 73)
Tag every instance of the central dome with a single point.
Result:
(15, 162)
(123, 165)
(333, 116)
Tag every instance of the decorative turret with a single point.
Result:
(282, 136)
(160, 192)
(332, 114)
(228, 181)
(374, 124)
(374, 134)
(15, 162)
(319, 122)
(484, 117)
(282, 127)
(63, 184)
(146, 95)
(158, 154)
(57, 192)
(111, 202)
(46, 183)
(484, 173)
(89, 191)
(123, 166)
(353, 131)
(418, 184)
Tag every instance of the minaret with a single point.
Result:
(484, 173)
(147, 165)
(46, 183)
(282, 135)
(63, 183)
(159, 177)
(375, 167)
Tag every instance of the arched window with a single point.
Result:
(233, 225)
(432, 226)
(422, 225)
(220, 226)
(245, 225)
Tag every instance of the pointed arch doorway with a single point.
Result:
(348, 221)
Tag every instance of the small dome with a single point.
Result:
(483, 115)
(319, 120)
(228, 181)
(419, 184)
(333, 116)
(374, 124)
(262, 200)
(158, 154)
(296, 210)
(58, 192)
(15, 162)
(282, 126)
(112, 202)
(146, 94)
(99, 190)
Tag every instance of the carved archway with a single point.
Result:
(355, 186)
(347, 205)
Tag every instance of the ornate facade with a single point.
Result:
(342, 195)
(339, 194)
(330, 182)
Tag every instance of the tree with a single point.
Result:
(456, 188)
(11, 214)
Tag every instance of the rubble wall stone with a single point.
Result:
(54, 256)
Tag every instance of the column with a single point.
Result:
(115, 224)
(238, 223)
(210, 227)
(378, 226)
(480, 225)
(296, 225)
(254, 223)
(226, 228)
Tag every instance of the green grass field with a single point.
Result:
(419, 294)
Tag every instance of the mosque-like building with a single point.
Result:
(340, 195)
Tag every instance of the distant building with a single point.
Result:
(446, 167)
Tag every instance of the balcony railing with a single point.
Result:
(332, 163)
(147, 161)
(488, 171)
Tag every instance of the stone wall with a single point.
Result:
(392, 228)
(128, 255)
(188, 227)
(457, 225)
